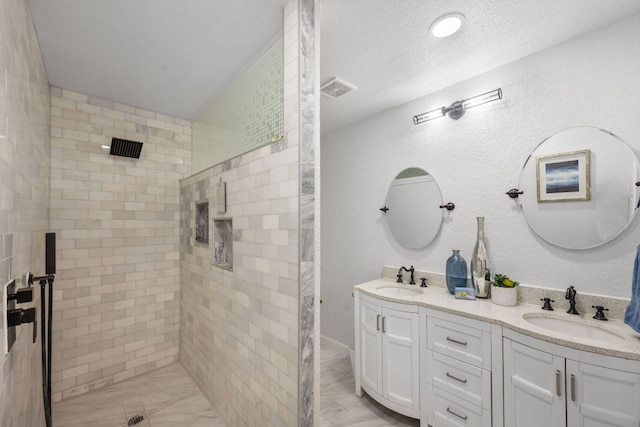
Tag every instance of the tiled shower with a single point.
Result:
(132, 294)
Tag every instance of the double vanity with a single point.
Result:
(449, 362)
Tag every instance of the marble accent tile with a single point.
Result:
(308, 97)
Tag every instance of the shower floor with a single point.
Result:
(167, 397)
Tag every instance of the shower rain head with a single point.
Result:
(125, 148)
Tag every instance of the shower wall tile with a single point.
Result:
(24, 200)
(239, 328)
(116, 299)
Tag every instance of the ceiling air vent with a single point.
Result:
(125, 148)
(335, 88)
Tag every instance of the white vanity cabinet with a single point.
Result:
(387, 350)
(458, 371)
(476, 364)
(545, 384)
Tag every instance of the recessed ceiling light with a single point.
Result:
(447, 25)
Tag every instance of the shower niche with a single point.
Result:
(223, 243)
(202, 222)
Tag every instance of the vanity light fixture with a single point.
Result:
(458, 108)
(447, 25)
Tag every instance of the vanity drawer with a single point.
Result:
(448, 410)
(462, 380)
(460, 341)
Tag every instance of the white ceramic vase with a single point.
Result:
(507, 297)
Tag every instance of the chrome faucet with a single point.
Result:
(571, 296)
(410, 270)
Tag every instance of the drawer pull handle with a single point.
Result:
(558, 383)
(573, 388)
(456, 378)
(383, 323)
(456, 341)
(378, 322)
(462, 417)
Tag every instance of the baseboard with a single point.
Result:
(329, 343)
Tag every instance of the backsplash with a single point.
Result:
(529, 294)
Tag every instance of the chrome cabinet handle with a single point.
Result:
(558, 383)
(383, 325)
(462, 417)
(573, 388)
(456, 341)
(456, 378)
(378, 322)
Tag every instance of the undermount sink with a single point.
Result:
(569, 327)
(397, 291)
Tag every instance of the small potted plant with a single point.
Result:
(504, 291)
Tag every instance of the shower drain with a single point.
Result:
(135, 420)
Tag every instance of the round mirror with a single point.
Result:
(579, 188)
(413, 208)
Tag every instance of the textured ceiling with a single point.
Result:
(167, 56)
(174, 56)
(383, 47)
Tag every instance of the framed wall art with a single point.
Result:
(563, 177)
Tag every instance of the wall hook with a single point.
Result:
(384, 209)
(638, 184)
(514, 193)
(449, 206)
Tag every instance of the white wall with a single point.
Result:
(588, 81)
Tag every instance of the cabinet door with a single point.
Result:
(601, 397)
(534, 385)
(371, 345)
(400, 350)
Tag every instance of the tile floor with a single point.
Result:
(167, 397)
(339, 404)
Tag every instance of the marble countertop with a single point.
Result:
(628, 346)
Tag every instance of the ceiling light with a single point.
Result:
(458, 108)
(447, 25)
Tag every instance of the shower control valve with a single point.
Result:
(20, 316)
(21, 296)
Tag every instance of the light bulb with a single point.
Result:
(447, 25)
